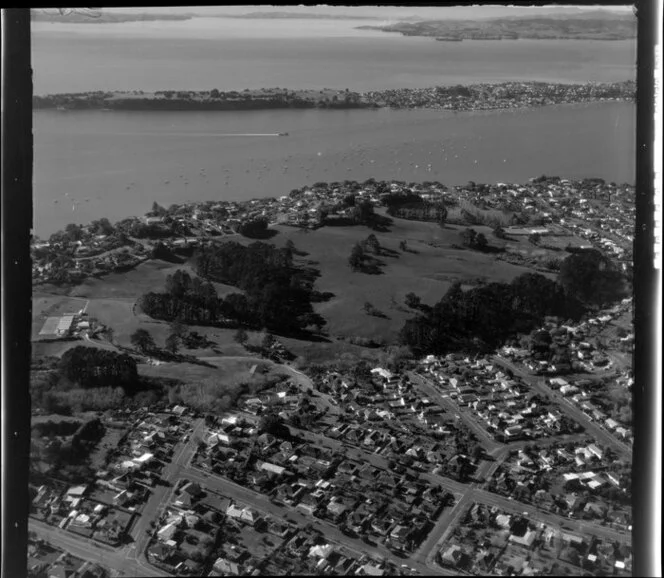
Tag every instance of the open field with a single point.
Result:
(427, 269)
(56, 348)
(228, 370)
(148, 276)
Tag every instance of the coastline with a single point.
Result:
(509, 95)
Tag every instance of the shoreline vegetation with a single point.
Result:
(507, 95)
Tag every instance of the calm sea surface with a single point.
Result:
(233, 54)
(115, 164)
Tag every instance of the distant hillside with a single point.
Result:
(591, 26)
(99, 16)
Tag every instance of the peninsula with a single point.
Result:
(597, 25)
(461, 98)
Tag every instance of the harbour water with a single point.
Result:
(115, 164)
(227, 54)
(97, 164)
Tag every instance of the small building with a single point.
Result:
(526, 540)
(272, 468)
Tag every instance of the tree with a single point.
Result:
(254, 228)
(241, 336)
(441, 214)
(214, 93)
(90, 367)
(158, 210)
(268, 341)
(102, 227)
(372, 244)
(356, 258)
(74, 232)
(591, 277)
(481, 242)
(142, 340)
(468, 238)
(403, 246)
(535, 238)
(413, 301)
(273, 424)
(499, 232)
(172, 343)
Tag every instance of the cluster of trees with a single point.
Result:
(412, 206)
(71, 451)
(361, 259)
(414, 301)
(254, 228)
(191, 301)
(190, 100)
(499, 232)
(591, 277)
(142, 340)
(482, 318)
(277, 295)
(356, 257)
(473, 240)
(90, 367)
(134, 227)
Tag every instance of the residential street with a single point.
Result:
(90, 550)
(489, 443)
(161, 495)
(537, 382)
(131, 561)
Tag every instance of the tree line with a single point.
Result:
(277, 295)
(483, 318)
(91, 367)
(412, 206)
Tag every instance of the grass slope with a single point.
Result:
(428, 269)
(429, 266)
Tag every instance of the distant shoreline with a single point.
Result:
(597, 26)
(510, 95)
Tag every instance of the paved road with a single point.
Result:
(430, 389)
(585, 528)
(566, 406)
(90, 550)
(445, 525)
(131, 559)
(100, 343)
(161, 495)
(262, 503)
